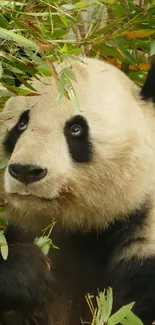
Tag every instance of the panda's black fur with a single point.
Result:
(31, 294)
(83, 265)
(148, 90)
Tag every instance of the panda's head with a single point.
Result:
(82, 167)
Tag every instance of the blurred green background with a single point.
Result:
(33, 34)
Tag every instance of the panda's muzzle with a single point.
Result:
(27, 173)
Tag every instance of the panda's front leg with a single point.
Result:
(25, 285)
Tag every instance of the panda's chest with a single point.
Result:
(82, 260)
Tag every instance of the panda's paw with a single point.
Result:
(25, 278)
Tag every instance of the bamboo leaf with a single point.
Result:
(77, 5)
(3, 22)
(3, 245)
(61, 87)
(3, 162)
(120, 314)
(139, 33)
(104, 302)
(9, 35)
(68, 72)
(124, 52)
(152, 52)
(2, 210)
(5, 92)
(109, 303)
(3, 222)
(82, 4)
(1, 70)
(44, 242)
(131, 319)
(72, 95)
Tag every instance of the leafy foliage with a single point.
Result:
(102, 314)
(35, 33)
(45, 242)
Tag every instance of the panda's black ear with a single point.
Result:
(148, 90)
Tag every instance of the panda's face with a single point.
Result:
(79, 166)
(43, 156)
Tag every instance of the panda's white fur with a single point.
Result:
(120, 177)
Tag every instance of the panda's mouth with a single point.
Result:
(26, 195)
(30, 197)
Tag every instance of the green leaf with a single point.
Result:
(45, 72)
(108, 304)
(110, 50)
(45, 243)
(125, 52)
(120, 314)
(131, 319)
(77, 5)
(107, 1)
(69, 73)
(72, 96)
(64, 20)
(9, 35)
(64, 49)
(3, 222)
(104, 302)
(5, 92)
(11, 3)
(82, 4)
(14, 69)
(22, 92)
(1, 70)
(137, 76)
(118, 9)
(33, 56)
(3, 162)
(2, 210)
(61, 87)
(3, 245)
(152, 51)
(66, 77)
(3, 22)
(26, 84)
(26, 68)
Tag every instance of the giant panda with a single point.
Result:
(92, 169)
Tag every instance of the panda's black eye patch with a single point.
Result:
(14, 134)
(78, 139)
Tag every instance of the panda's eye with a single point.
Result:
(77, 135)
(75, 130)
(14, 134)
(22, 125)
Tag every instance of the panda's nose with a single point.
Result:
(27, 173)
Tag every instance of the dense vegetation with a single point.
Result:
(35, 33)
